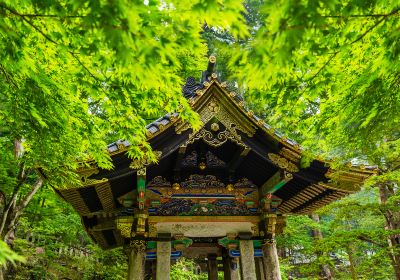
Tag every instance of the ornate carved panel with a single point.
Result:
(232, 122)
(202, 182)
(186, 207)
(190, 159)
(202, 195)
(212, 160)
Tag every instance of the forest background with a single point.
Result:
(76, 75)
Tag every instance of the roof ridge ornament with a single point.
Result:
(192, 86)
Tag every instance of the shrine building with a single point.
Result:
(216, 195)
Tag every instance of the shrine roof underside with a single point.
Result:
(219, 173)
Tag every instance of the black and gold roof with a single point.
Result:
(233, 144)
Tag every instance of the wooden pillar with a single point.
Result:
(147, 269)
(163, 260)
(226, 260)
(235, 271)
(259, 268)
(247, 260)
(136, 260)
(271, 262)
(231, 268)
(212, 267)
(154, 270)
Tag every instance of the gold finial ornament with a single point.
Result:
(214, 75)
(176, 186)
(212, 59)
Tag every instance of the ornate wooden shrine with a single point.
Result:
(222, 191)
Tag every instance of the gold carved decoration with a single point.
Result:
(144, 161)
(280, 224)
(141, 219)
(152, 230)
(226, 114)
(138, 245)
(88, 182)
(204, 185)
(270, 223)
(283, 163)
(87, 171)
(215, 140)
(290, 155)
(215, 109)
(124, 225)
(215, 127)
(141, 172)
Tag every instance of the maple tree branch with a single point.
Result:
(366, 239)
(8, 77)
(24, 202)
(50, 16)
(74, 55)
(355, 16)
(384, 17)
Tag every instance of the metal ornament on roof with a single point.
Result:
(190, 88)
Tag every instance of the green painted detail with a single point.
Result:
(226, 241)
(184, 241)
(151, 245)
(141, 184)
(155, 202)
(276, 187)
(257, 243)
(249, 203)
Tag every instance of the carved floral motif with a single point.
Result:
(283, 163)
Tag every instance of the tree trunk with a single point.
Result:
(325, 270)
(1, 273)
(392, 223)
(351, 261)
(11, 215)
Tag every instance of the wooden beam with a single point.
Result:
(276, 181)
(299, 200)
(237, 160)
(178, 162)
(105, 196)
(75, 199)
(106, 225)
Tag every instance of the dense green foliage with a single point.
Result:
(354, 235)
(76, 74)
(186, 269)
